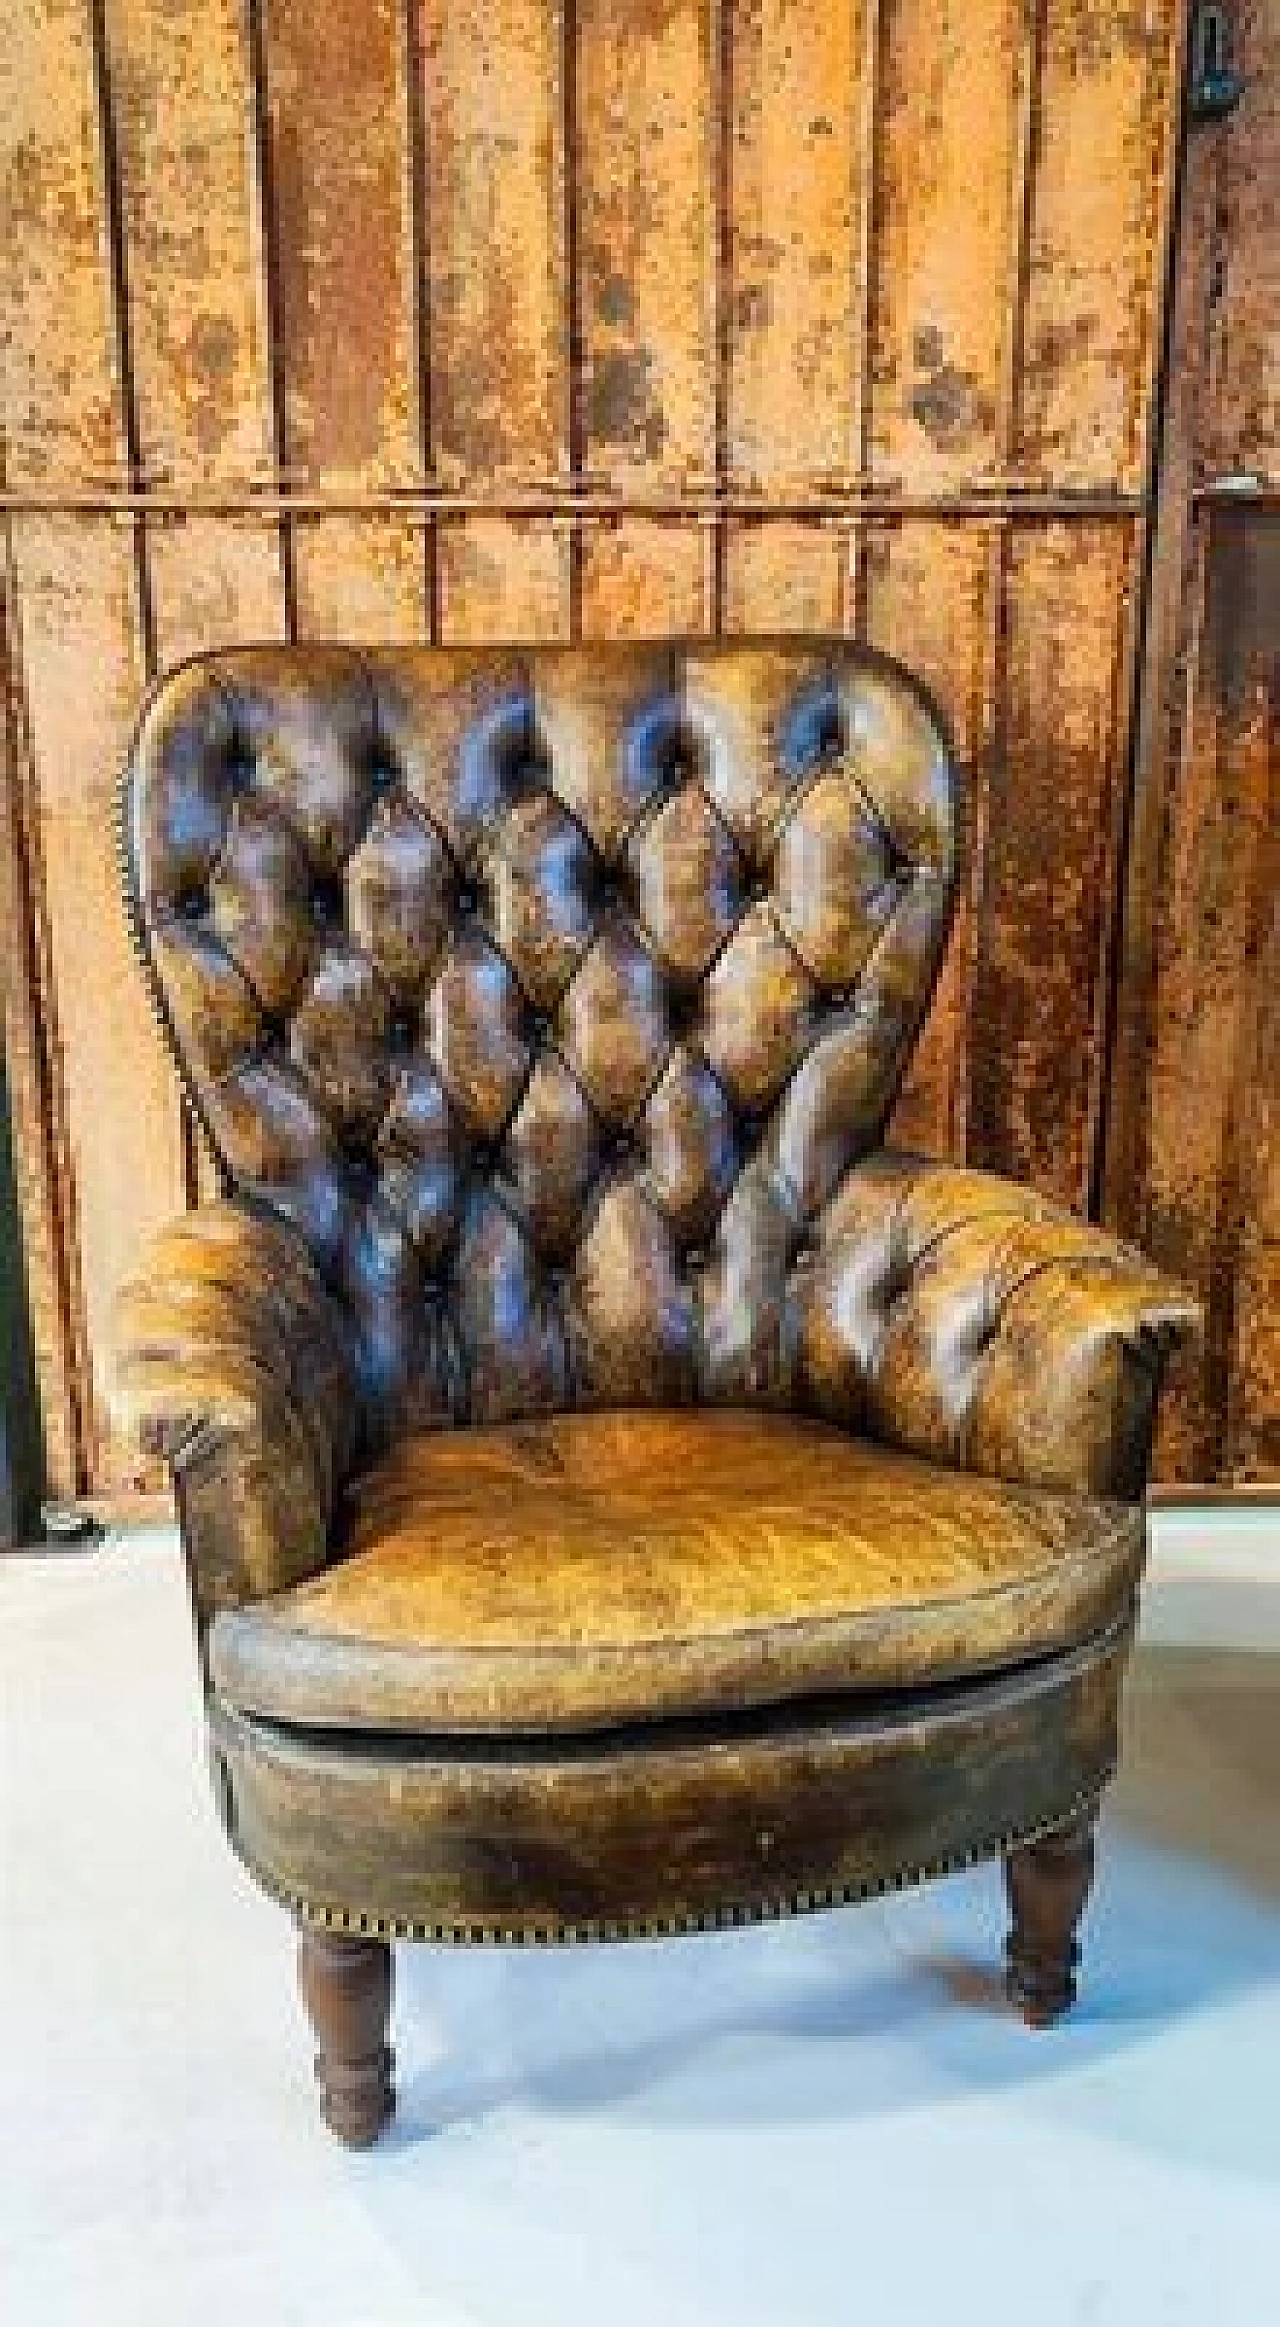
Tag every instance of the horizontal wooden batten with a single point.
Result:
(819, 508)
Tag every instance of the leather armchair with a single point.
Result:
(618, 1494)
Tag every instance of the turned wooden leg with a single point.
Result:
(346, 1987)
(1048, 1883)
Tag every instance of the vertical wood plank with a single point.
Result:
(1243, 430)
(942, 248)
(1253, 1397)
(337, 109)
(1209, 1161)
(183, 101)
(646, 76)
(1172, 613)
(795, 121)
(121, 1100)
(74, 585)
(1108, 86)
(498, 296)
(61, 420)
(62, 411)
(29, 1034)
(927, 605)
(784, 574)
(1048, 849)
(795, 117)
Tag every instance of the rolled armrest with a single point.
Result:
(234, 1362)
(965, 1318)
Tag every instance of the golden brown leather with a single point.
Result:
(966, 1318)
(607, 1567)
(665, 1826)
(549, 994)
(546, 1008)
(240, 1365)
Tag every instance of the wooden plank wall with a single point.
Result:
(562, 318)
(1194, 1148)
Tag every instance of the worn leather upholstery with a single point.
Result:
(545, 1010)
(596, 1568)
(969, 1319)
(549, 995)
(240, 1367)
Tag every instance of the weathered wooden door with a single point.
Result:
(423, 319)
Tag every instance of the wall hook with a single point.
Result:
(1215, 89)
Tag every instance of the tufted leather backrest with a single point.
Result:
(550, 992)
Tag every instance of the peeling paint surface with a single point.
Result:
(931, 586)
(497, 293)
(944, 240)
(645, 128)
(1244, 425)
(62, 414)
(1048, 855)
(1212, 1192)
(663, 245)
(1093, 288)
(180, 83)
(794, 99)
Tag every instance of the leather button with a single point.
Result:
(382, 770)
(683, 1006)
(240, 765)
(358, 1172)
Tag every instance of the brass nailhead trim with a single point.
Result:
(736, 1914)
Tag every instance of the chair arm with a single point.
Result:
(968, 1319)
(235, 1363)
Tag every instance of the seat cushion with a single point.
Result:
(593, 1569)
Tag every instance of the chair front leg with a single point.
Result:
(1047, 1883)
(346, 1987)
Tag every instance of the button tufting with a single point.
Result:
(358, 1171)
(684, 1005)
(382, 770)
(486, 1158)
(239, 765)
(520, 961)
(326, 904)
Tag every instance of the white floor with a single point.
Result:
(830, 2120)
